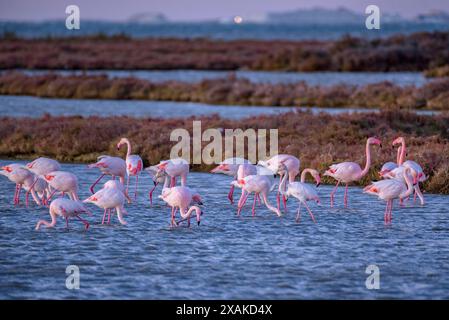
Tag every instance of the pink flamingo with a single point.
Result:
(64, 182)
(113, 166)
(243, 171)
(390, 189)
(158, 177)
(40, 167)
(302, 191)
(230, 167)
(416, 170)
(134, 164)
(347, 172)
(181, 197)
(260, 185)
(291, 162)
(174, 168)
(111, 196)
(40, 187)
(23, 178)
(65, 208)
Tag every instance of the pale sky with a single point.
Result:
(192, 10)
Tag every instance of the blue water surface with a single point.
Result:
(227, 257)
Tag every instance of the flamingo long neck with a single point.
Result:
(166, 182)
(368, 160)
(402, 156)
(120, 211)
(128, 147)
(398, 156)
(409, 183)
(268, 205)
(186, 215)
(283, 184)
(304, 173)
(46, 223)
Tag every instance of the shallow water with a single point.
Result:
(311, 78)
(24, 106)
(227, 257)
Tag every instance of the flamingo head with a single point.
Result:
(49, 177)
(316, 176)
(30, 165)
(398, 140)
(163, 165)
(7, 169)
(121, 143)
(241, 182)
(197, 199)
(221, 168)
(375, 140)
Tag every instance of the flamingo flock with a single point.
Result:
(44, 180)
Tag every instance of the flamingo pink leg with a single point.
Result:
(231, 194)
(127, 183)
(245, 197)
(109, 216)
(254, 205)
(51, 195)
(86, 224)
(333, 193)
(15, 194)
(18, 194)
(95, 183)
(150, 194)
(135, 190)
(172, 182)
(258, 199)
(310, 212)
(27, 195)
(346, 196)
(104, 216)
(414, 197)
(298, 213)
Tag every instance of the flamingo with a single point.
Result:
(347, 172)
(158, 176)
(113, 166)
(291, 162)
(22, 178)
(40, 187)
(260, 185)
(134, 164)
(181, 197)
(391, 189)
(40, 167)
(111, 196)
(65, 208)
(230, 167)
(416, 170)
(302, 191)
(174, 168)
(64, 182)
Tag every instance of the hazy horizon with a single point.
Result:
(197, 10)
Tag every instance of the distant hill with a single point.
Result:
(148, 17)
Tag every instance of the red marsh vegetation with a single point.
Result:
(232, 91)
(414, 52)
